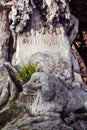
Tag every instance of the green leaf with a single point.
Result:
(25, 72)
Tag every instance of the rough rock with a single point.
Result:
(42, 107)
(4, 35)
(8, 88)
(55, 98)
(55, 124)
(67, 69)
(12, 110)
(4, 92)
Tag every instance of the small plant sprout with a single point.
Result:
(25, 72)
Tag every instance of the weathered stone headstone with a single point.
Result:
(42, 28)
(48, 28)
(28, 45)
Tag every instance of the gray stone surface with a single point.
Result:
(48, 92)
(4, 92)
(30, 124)
(40, 106)
(4, 35)
(53, 63)
(54, 98)
(63, 66)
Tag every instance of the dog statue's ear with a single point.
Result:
(48, 95)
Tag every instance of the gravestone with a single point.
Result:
(42, 27)
(28, 45)
(48, 28)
